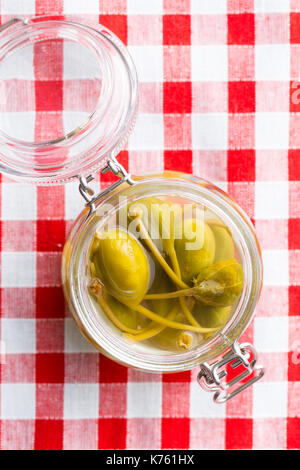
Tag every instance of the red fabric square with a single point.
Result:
(112, 433)
(294, 96)
(50, 368)
(179, 160)
(177, 377)
(175, 403)
(294, 362)
(177, 97)
(48, 95)
(151, 25)
(295, 28)
(177, 63)
(294, 265)
(48, 269)
(176, 29)
(111, 372)
(49, 400)
(176, 6)
(113, 400)
(241, 62)
(17, 302)
(240, 5)
(19, 368)
(294, 197)
(48, 126)
(48, 58)
(241, 131)
(50, 302)
(51, 202)
(294, 136)
(17, 235)
(117, 24)
(294, 164)
(293, 433)
(112, 6)
(50, 235)
(175, 433)
(241, 165)
(48, 434)
(17, 434)
(294, 234)
(241, 28)
(294, 300)
(81, 368)
(50, 335)
(45, 7)
(177, 131)
(241, 97)
(239, 433)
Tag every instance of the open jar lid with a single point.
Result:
(68, 96)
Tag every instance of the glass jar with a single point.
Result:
(91, 140)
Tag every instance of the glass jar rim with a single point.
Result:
(86, 147)
(242, 228)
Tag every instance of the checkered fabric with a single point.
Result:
(219, 98)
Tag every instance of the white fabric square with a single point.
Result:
(148, 133)
(140, 7)
(144, 400)
(17, 401)
(222, 185)
(276, 267)
(75, 342)
(272, 6)
(17, 7)
(18, 269)
(78, 6)
(272, 131)
(21, 68)
(18, 335)
(272, 62)
(13, 124)
(270, 399)
(271, 334)
(73, 201)
(75, 63)
(271, 200)
(148, 61)
(81, 401)
(202, 405)
(209, 131)
(209, 63)
(18, 201)
(208, 7)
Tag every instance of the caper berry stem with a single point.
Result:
(96, 288)
(170, 323)
(153, 330)
(175, 264)
(171, 295)
(157, 254)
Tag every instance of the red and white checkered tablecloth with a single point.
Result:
(217, 79)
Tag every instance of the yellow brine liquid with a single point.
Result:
(166, 273)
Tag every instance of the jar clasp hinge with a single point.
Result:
(88, 193)
(212, 377)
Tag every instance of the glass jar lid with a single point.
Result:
(68, 96)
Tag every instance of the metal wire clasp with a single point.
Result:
(88, 193)
(12, 22)
(210, 376)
